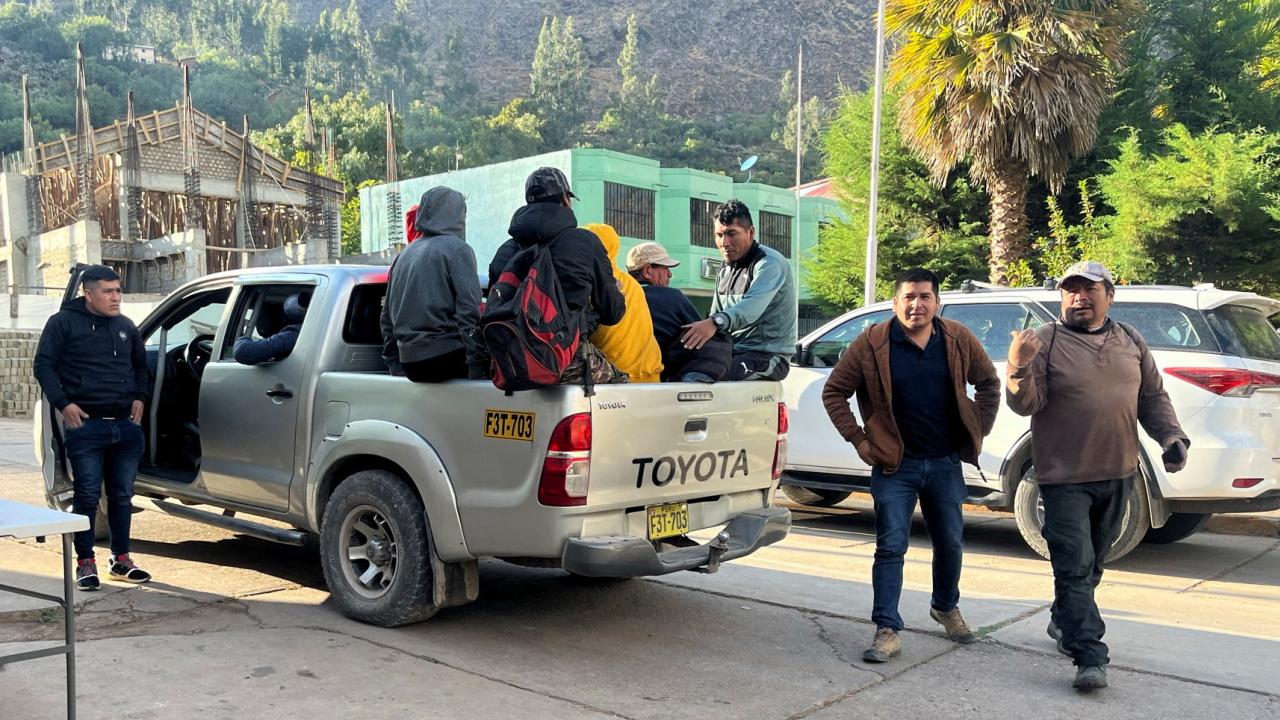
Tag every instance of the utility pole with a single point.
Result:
(795, 236)
(869, 284)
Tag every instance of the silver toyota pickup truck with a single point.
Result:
(404, 486)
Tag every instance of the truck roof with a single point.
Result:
(358, 273)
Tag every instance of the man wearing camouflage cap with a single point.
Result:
(1086, 381)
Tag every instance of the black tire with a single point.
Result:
(378, 507)
(1029, 514)
(1179, 526)
(819, 497)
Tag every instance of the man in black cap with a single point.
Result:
(584, 270)
(92, 368)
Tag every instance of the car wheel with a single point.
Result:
(1179, 526)
(1028, 511)
(375, 550)
(820, 497)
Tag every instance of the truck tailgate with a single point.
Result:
(654, 443)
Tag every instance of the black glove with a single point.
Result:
(1175, 456)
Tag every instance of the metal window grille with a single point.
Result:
(702, 224)
(775, 232)
(629, 210)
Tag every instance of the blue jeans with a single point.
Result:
(104, 451)
(939, 486)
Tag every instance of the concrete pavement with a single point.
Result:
(236, 627)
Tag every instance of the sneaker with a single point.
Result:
(886, 645)
(123, 568)
(87, 575)
(1090, 678)
(957, 629)
(1055, 632)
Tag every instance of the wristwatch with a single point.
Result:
(721, 320)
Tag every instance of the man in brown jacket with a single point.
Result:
(910, 375)
(1086, 394)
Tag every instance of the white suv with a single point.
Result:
(1220, 358)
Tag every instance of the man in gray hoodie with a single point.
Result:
(433, 297)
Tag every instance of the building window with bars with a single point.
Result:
(629, 210)
(702, 222)
(775, 232)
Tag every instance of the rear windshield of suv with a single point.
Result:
(1168, 327)
(1245, 331)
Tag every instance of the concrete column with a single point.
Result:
(13, 212)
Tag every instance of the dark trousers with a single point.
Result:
(758, 366)
(939, 486)
(1081, 521)
(104, 452)
(449, 366)
(711, 359)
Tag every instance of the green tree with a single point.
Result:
(93, 32)
(558, 83)
(920, 223)
(31, 31)
(814, 115)
(1014, 87)
(634, 120)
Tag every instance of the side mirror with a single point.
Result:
(803, 356)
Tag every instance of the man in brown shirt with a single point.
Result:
(910, 375)
(1087, 381)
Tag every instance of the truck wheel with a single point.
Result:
(1179, 526)
(819, 497)
(1028, 511)
(375, 551)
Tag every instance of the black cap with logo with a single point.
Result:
(546, 182)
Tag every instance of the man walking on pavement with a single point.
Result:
(910, 376)
(1087, 381)
(92, 368)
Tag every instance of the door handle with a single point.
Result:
(279, 392)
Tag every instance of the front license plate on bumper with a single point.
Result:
(668, 520)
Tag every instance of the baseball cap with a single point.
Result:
(649, 253)
(1089, 270)
(546, 182)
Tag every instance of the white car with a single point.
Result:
(1220, 359)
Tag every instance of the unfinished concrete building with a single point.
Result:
(162, 198)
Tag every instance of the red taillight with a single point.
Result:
(1228, 382)
(566, 471)
(780, 449)
(1245, 483)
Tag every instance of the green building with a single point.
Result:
(640, 199)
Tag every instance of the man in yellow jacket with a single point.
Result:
(630, 344)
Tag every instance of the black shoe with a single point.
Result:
(87, 575)
(1090, 678)
(123, 568)
(1055, 632)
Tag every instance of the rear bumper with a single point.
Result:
(1265, 502)
(632, 556)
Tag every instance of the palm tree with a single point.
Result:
(1015, 87)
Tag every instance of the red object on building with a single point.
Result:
(410, 228)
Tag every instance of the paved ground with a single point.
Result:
(236, 627)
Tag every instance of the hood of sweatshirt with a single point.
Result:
(609, 237)
(442, 211)
(540, 223)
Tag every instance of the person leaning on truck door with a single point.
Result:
(1086, 395)
(910, 376)
(92, 367)
(433, 297)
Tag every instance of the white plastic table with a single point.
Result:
(24, 521)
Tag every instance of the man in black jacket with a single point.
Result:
(584, 270)
(92, 367)
(275, 344)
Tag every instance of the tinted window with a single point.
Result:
(826, 350)
(994, 323)
(1167, 327)
(364, 315)
(1245, 331)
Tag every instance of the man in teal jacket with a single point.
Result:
(755, 301)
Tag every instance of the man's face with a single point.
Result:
(915, 304)
(733, 240)
(657, 275)
(1084, 302)
(103, 297)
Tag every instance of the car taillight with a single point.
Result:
(1228, 382)
(780, 450)
(1246, 483)
(566, 471)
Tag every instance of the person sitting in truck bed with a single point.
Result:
(630, 345)
(274, 344)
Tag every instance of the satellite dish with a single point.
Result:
(749, 163)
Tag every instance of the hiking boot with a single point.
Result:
(886, 645)
(123, 568)
(1055, 632)
(87, 575)
(957, 629)
(1090, 678)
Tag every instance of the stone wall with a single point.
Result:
(18, 385)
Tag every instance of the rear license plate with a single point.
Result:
(508, 425)
(668, 520)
